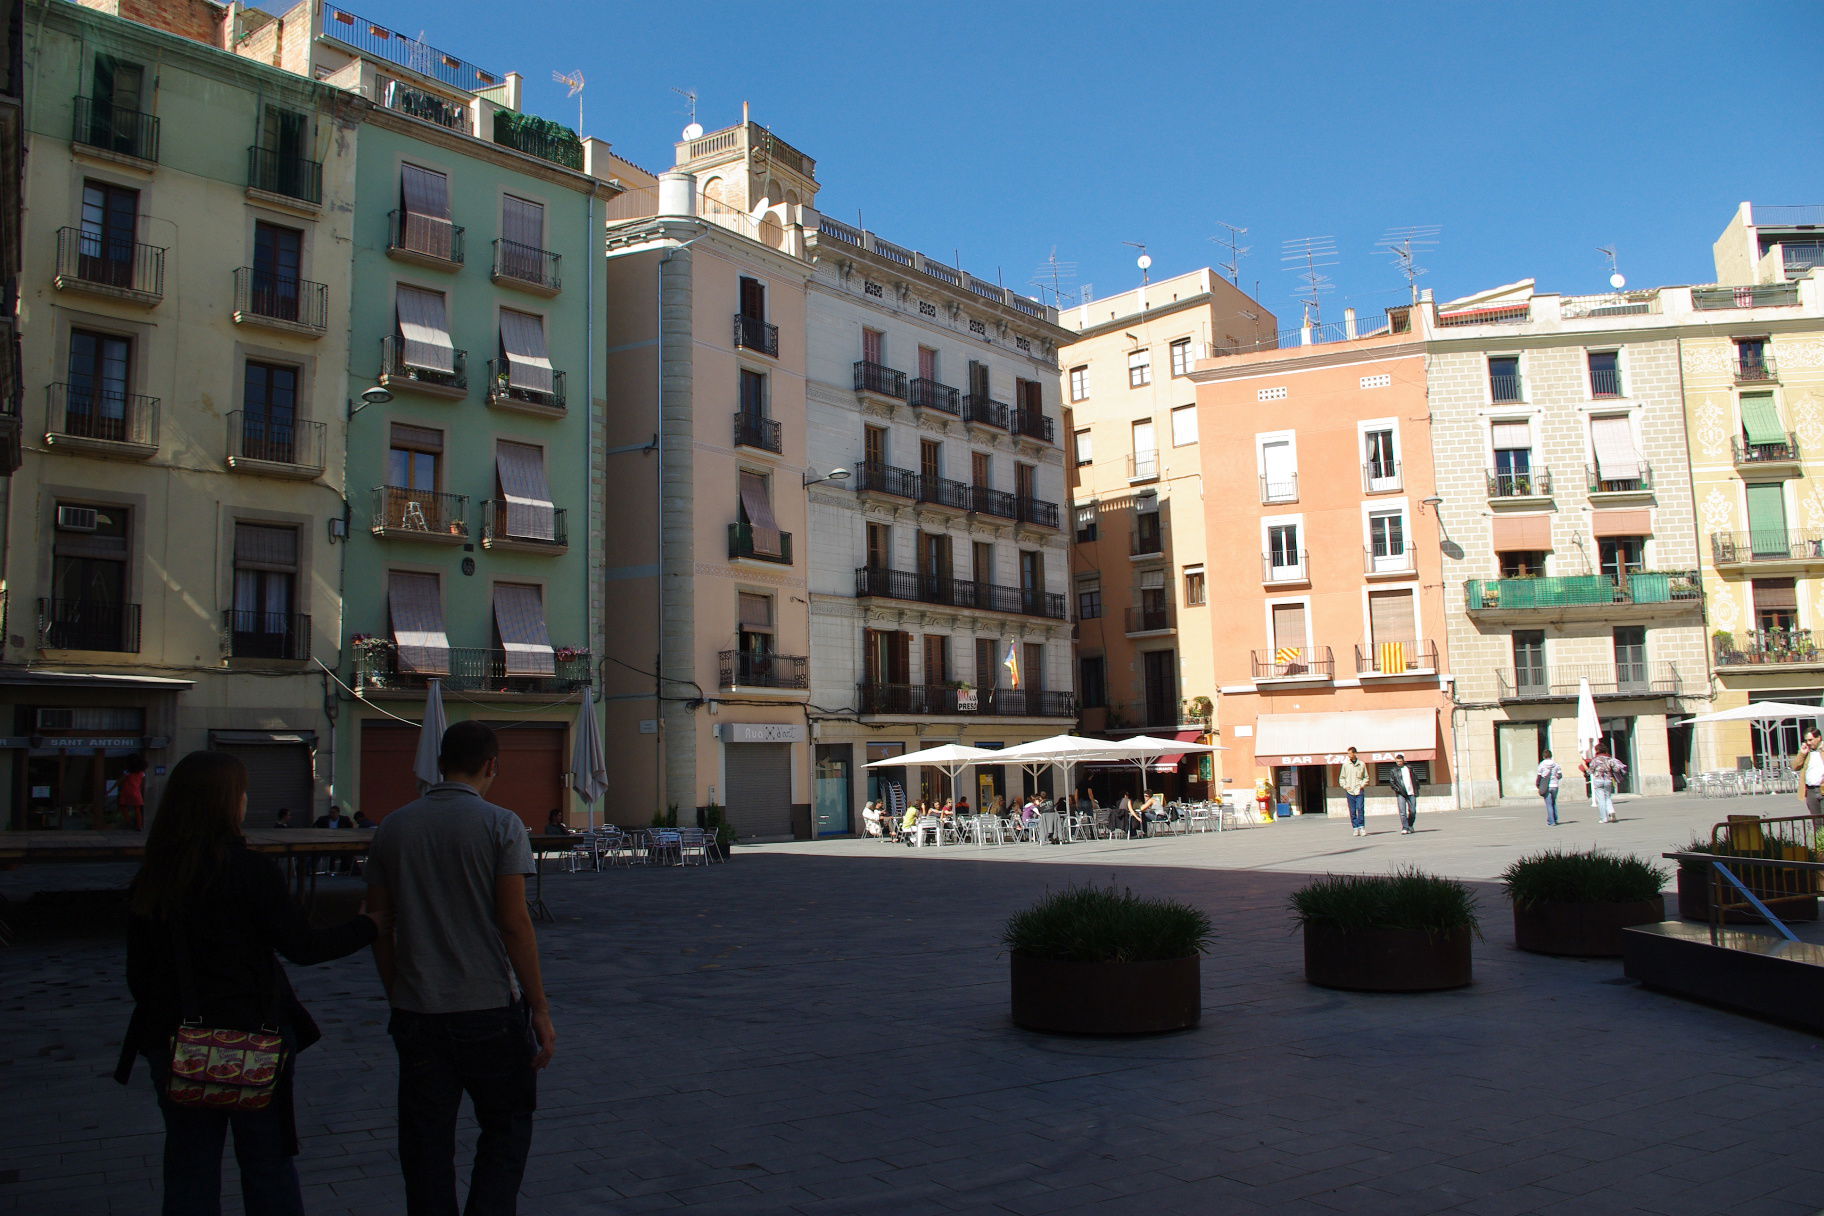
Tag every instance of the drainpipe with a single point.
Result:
(677, 516)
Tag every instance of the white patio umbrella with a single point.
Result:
(952, 758)
(1062, 751)
(1763, 714)
(588, 768)
(1144, 751)
(1589, 726)
(430, 735)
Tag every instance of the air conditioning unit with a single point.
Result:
(56, 719)
(75, 519)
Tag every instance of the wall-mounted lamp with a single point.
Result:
(1434, 502)
(375, 395)
(832, 475)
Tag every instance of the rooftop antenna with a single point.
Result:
(1144, 261)
(693, 129)
(575, 81)
(1307, 254)
(1236, 251)
(1407, 245)
(1052, 276)
(1617, 280)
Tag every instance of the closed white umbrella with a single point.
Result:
(430, 735)
(1589, 726)
(588, 767)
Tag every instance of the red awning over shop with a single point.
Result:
(1377, 735)
(1168, 763)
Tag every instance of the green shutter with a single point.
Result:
(1761, 420)
(1767, 519)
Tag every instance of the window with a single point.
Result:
(927, 363)
(1181, 357)
(1380, 465)
(1149, 535)
(1081, 440)
(96, 399)
(754, 636)
(1776, 607)
(1184, 426)
(1159, 678)
(1622, 555)
(981, 563)
(1619, 466)
(1387, 541)
(753, 393)
(523, 509)
(414, 457)
(1288, 624)
(886, 656)
(263, 624)
(1146, 451)
(981, 468)
(278, 269)
(937, 659)
(110, 225)
(413, 473)
(269, 413)
(1278, 470)
(1032, 571)
(873, 346)
(1529, 662)
(1767, 520)
(1504, 378)
(880, 547)
(1605, 373)
(89, 609)
(283, 163)
(1195, 590)
(930, 460)
(1089, 601)
(525, 363)
(520, 632)
(1421, 772)
(1025, 481)
(424, 332)
(1079, 382)
(987, 664)
(114, 121)
(978, 381)
(1087, 521)
(1092, 681)
(1513, 448)
(1763, 437)
(1393, 631)
(414, 602)
(424, 213)
(1751, 360)
(1139, 369)
(1032, 670)
(1284, 559)
(522, 240)
(1631, 658)
(874, 447)
(935, 564)
(754, 513)
(752, 299)
(1521, 563)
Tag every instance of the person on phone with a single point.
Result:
(1810, 763)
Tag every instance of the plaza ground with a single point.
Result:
(822, 1028)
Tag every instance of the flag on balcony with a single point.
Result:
(1393, 658)
(1287, 654)
(1012, 664)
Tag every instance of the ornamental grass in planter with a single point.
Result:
(1100, 960)
(1577, 903)
(1408, 931)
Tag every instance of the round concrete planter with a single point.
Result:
(1581, 930)
(1386, 960)
(1106, 998)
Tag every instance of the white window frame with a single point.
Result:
(1367, 427)
(1079, 382)
(1405, 561)
(1183, 411)
(1266, 610)
(1488, 378)
(1620, 351)
(1139, 362)
(1295, 574)
(1082, 447)
(1184, 582)
(1178, 347)
(1261, 441)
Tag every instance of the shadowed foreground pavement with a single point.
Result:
(822, 1028)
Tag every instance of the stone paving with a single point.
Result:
(822, 1028)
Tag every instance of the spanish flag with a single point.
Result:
(1012, 664)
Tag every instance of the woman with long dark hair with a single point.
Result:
(207, 915)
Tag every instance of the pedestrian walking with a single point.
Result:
(462, 973)
(1352, 775)
(133, 793)
(206, 916)
(1809, 761)
(1547, 779)
(1605, 773)
(1405, 793)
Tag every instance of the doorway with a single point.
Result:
(832, 805)
(1618, 733)
(1679, 738)
(1313, 785)
(1519, 746)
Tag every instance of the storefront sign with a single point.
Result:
(88, 741)
(763, 732)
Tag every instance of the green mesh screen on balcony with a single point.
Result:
(539, 137)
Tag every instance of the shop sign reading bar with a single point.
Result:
(1336, 758)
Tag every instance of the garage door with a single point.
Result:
(279, 773)
(387, 752)
(532, 763)
(760, 788)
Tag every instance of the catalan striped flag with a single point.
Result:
(1287, 654)
(1012, 664)
(1393, 658)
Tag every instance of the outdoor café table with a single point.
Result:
(541, 845)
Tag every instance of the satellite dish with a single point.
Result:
(1144, 261)
(1618, 280)
(694, 131)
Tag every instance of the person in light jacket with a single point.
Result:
(1405, 793)
(1352, 775)
(1548, 779)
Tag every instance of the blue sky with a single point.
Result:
(1002, 129)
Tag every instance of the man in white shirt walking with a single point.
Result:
(1810, 761)
(1549, 777)
(1352, 775)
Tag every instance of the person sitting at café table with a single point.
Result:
(909, 822)
(962, 806)
(870, 819)
(555, 825)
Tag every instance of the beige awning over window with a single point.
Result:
(424, 330)
(415, 601)
(759, 508)
(1617, 459)
(530, 512)
(1521, 533)
(1635, 521)
(522, 342)
(1508, 436)
(1378, 735)
(519, 616)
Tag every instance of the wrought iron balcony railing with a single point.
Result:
(110, 265)
(1755, 369)
(998, 503)
(379, 668)
(499, 526)
(397, 372)
(1143, 465)
(1748, 454)
(1766, 545)
(930, 395)
(1599, 484)
(880, 379)
(957, 593)
(1504, 387)
(1294, 663)
(1381, 476)
(1770, 295)
(745, 668)
(1395, 658)
(886, 479)
(1037, 511)
(294, 303)
(97, 416)
(290, 442)
(1605, 382)
(266, 635)
(1582, 590)
(426, 238)
(1286, 566)
(113, 128)
(1034, 425)
(1766, 648)
(752, 333)
(411, 514)
(741, 544)
(1532, 483)
(1402, 562)
(1149, 620)
(291, 176)
(1279, 489)
(1563, 683)
(526, 266)
(88, 624)
(502, 391)
(1146, 540)
(985, 410)
(919, 699)
(758, 431)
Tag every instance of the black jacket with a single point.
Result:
(231, 927)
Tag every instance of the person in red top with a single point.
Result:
(133, 793)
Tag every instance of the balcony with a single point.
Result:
(998, 503)
(1037, 511)
(291, 178)
(1033, 424)
(1382, 476)
(746, 669)
(1606, 681)
(1752, 457)
(379, 669)
(1388, 564)
(986, 411)
(741, 545)
(920, 699)
(1772, 295)
(942, 492)
(425, 106)
(1591, 597)
(1286, 566)
(503, 394)
(526, 267)
(119, 269)
(1605, 382)
(1790, 648)
(500, 530)
(88, 624)
(1530, 485)
(1153, 715)
(1143, 466)
(1145, 542)
(80, 418)
(1388, 660)
(930, 395)
(1505, 389)
(400, 513)
(11, 444)
(752, 333)
(266, 635)
(1754, 369)
(757, 431)
(880, 380)
(1769, 548)
(1618, 486)
(425, 240)
(886, 479)
(1307, 663)
(271, 448)
(398, 374)
(296, 306)
(118, 129)
(1148, 620)
(1280, 489)
(875, 582)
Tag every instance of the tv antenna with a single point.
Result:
(1236, 251)
(1052, 276)
(693, 129)
(575, 81)
(1307, 256)
(1144, 261)
(1617, 280)
(1407, 245)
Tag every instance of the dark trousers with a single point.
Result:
(487, 1054)
(263, 1148)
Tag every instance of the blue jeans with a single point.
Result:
(1409, 809)
(263, 1148)
(1551, 805)
(1603, 791)
(487, 1054)
(1358, 809)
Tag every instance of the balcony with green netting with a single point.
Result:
(1584, 596)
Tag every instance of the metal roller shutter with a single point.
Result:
(278, 775)
(760, 788)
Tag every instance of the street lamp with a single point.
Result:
(832, 475)
(372, 395)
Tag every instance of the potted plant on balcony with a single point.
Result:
(1201, 706)
(1098, 960)
(1577, 903)
(1402, 932)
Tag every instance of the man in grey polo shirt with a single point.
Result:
(461, 971)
